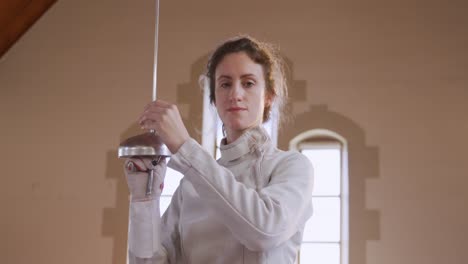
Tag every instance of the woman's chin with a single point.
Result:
(239, 127)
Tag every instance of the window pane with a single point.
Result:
(219, 136)
(171, 181)
(327, 172)
(324, 225)
(164, 203)
(320, 253)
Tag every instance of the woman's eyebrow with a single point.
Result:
(248, 75)
(224, 77)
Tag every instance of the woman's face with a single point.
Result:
(239, 93)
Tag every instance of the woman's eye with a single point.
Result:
(225, 85)
(249, 84)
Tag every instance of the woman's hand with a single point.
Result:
(166, 120)
(137, 172)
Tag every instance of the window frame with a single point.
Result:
(324, 138)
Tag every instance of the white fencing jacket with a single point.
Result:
(250, 206)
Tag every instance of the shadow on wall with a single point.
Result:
(190, 97)
(362, 165)
(115, 219)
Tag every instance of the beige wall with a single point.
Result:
(391, 77)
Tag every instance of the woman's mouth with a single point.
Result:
(236, 109)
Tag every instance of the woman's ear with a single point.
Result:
(268, 99)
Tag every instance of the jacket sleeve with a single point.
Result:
(260, 219)
(152, 239)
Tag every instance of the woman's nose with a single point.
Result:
(236, 92)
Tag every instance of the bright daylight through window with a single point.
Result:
(322, 234)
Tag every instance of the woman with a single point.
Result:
(251, 205)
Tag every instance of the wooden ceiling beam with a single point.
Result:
(16, 17)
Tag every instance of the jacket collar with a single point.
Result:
(246, 143)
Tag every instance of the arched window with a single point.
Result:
(326, 233)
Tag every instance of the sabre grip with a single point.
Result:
(145, 177)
